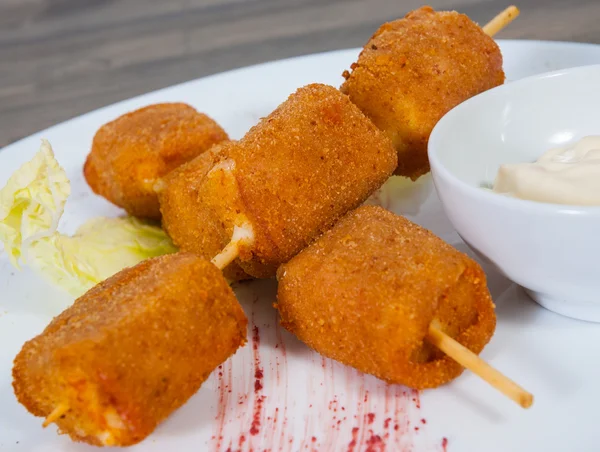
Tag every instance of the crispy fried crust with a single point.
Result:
(294, 175)
(366, 292)
(191, 213)
(131, 350)
(414, 70)
(130, 154)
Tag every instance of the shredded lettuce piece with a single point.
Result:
(31, 205)
(99, 249)
(32, 202)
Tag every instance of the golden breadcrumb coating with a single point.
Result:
(414, 70)
(132, 350)
(191, 213)
(291, 177)
(130, 154)
(366, 292)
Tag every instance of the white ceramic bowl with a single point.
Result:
(552, 250)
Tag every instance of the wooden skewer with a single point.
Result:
(243, 235)
(438, 338)
(56, 414)
(478, 366)
(462, 355)
(227, 256)
(231, 251)
(501, 20)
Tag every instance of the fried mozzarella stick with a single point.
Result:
(372, 291)
(131, 351)
(190, 209)
(414, 70)
(132, 153)
(289, 179)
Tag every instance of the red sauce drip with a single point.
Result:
(445, 444)
(386, 423)
(352, 444)
(370, 418)
(224, 381)
(417, 399)
(258, 384)
(375, 443)
(255, 337)
(255, 427)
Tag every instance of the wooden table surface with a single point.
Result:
(62, 58)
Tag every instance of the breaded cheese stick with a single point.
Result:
(367, 291)
(131, 351)
(289, 179)
(414, 70)
(130, 154)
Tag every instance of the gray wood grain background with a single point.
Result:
(62, 58)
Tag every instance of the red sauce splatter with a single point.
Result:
(372, 426)
(224, 380)
(444, 444)
(255, 337)
(258, 386)
(255, 427)
(375, 443)
(258, 374)
(352, 444)
(416, 399)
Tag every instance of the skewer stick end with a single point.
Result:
(526, 400)
(56, 413)
(478, 366)
(242, 235)
(501, 20)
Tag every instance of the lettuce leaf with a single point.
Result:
(99, 249)
(31, 205)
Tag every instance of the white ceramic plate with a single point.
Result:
(308, 402)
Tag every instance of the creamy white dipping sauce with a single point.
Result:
(568, 175)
